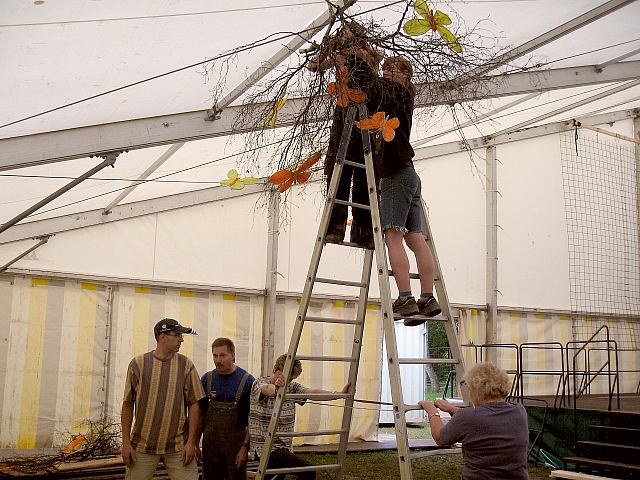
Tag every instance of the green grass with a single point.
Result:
(384, 465)
(414, 431)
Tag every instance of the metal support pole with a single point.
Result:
(109, 160)
(271, 284)
(492, 250)
(42, 241)
(108, 357)
(636, 134)
(144, 175)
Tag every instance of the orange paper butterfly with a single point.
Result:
(287, 177)
(381, 123)
(342, 91)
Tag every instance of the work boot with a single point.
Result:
(363, 237)
(336, 228)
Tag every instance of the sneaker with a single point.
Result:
(429, 307)
(406, 307)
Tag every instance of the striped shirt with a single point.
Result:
(161, 391)
(260, 411)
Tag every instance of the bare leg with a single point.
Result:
(424, 259)
(398, 258)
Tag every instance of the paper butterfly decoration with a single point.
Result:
(434, 21)
(272, 117)
(287, 177)
(381, 123)
(342, 91)
(234, 182)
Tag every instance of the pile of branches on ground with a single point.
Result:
(101, 439)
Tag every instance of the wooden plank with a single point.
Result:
(104, 462)
(575, 475)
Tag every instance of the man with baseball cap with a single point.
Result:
(163, 389)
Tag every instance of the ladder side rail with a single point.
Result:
(443, 299)
(363, 298)
(306, 294)
(402, 439)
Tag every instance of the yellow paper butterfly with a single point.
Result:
(235, 182)
(434, 21)
(272, 117)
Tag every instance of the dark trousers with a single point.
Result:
(355, 180)
(283, 458)
(219, 456)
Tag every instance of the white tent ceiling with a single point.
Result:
(63, 51)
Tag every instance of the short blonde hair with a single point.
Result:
(296, 370)
(489, 381)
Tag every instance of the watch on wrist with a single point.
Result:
(245, 445)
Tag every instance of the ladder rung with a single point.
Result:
(355, 164)
(352, 204)
(325, 358)
(428, 361)
(436, 451)
(309, 468)
(415, 276)
(317, 396)
(310, 434)
(332, 320)
(438, 318)
(346, 283)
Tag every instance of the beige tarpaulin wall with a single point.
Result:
(62, 361)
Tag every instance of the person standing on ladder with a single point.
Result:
(360, 61)
(400, 196)
(225, 442)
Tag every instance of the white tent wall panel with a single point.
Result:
(453, 190)
(533, 269)
(220, 243)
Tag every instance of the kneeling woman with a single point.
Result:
(494, 434)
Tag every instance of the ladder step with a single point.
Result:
(310, 434)
(415, 276)
(325, 358)
(435, 451)
(309, 468)
(438, 318)
(428, 361)
(317, 396)
(346, 283)
(352, 204)
(332, 320)
(355, 164)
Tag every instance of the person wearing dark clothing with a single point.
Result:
(360, 61)
(225, 443)
(494, 433)
(400, 195)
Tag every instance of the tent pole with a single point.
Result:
(42, 241)
(109, 160)
(269, 310)
(492, 251)
(569, 107)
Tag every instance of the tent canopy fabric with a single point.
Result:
(58, 53)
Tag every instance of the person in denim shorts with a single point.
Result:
(400, 200)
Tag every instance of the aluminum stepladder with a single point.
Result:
(393, 362)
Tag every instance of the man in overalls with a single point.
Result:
(225, 415)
